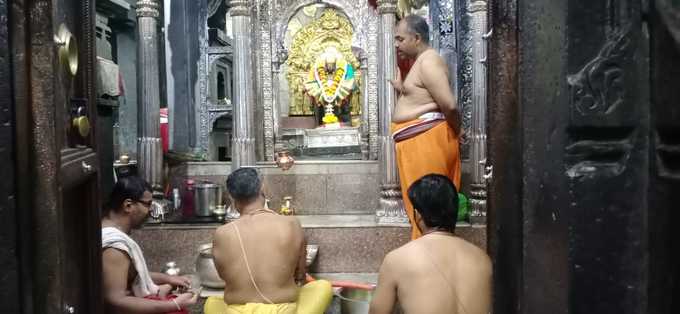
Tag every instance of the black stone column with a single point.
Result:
(664, 181)
(584, 145)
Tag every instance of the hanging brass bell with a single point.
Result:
(82, 125)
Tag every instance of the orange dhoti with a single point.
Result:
(433, 151)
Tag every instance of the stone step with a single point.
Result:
(347, 243)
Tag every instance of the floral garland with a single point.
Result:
(329, 91)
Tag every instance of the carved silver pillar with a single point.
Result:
(391, 209)
(243, 141)
(150, 151)
(364, 108)
(478, 16)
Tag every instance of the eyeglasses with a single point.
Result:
(146, 204)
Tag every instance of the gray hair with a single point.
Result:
(244, 184)
(416, 24)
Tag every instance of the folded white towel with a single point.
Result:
(114, 238)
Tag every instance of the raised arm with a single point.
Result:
(434, 75)
(115, 268)
(385, 294)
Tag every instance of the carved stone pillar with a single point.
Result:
(478, 17)
(243, 153)
(391, 209)
(149, 149)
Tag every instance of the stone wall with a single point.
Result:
(317, 187)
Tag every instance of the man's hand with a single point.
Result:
(186, 299)
(175, 281)
(164, 290)
(179, 281)
(397, 83)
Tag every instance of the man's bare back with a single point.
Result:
(275, 249)
(438, 273)
(425, 89)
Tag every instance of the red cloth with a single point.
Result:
(165, 141)
(167, 298)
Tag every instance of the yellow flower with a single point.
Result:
(329, 118)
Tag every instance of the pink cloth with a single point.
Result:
(167, 298)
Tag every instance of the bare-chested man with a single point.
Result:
(261, 256)
(128, 286)
(438, 272)
(426, 120)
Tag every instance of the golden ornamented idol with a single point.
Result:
(330, 83)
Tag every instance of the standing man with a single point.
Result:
(426, 120)
(439, 272)
(128, 286)
(261, 256)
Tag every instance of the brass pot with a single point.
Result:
(284, 160)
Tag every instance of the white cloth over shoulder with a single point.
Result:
(114, 238)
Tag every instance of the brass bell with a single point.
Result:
(82, 124)
(67, 49)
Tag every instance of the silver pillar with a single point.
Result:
(150, 151)
(364, 108)
(391, 209)
(478, 16)
(243, 148)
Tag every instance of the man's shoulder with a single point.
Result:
(432, 59)
(291, 221)
(473, 255)
(223, 229)
(403, 254)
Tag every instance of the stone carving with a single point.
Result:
(667, 153)
(598, 88)
(598, 152)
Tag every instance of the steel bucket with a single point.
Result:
(206, 198)
(355, 300)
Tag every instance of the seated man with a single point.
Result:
(260, 257)
(128, 286)
(438, 272)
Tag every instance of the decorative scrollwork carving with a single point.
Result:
(239, 8)
(147, 8)
(598, 88)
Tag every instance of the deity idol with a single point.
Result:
(330, 83)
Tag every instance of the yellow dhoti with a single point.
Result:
(313, 298)
(433, 151)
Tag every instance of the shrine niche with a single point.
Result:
(322, 70)
(321, 73)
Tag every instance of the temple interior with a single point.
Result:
(247, 89)
(569, 144)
